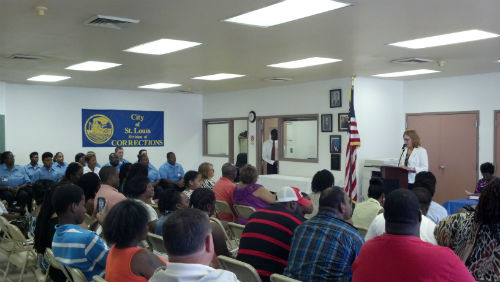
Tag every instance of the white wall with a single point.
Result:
(48, 118)
(378, 106)
(461, 93)
(2, 98)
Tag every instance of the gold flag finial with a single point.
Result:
(352, 78)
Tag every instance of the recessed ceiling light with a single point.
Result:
(219, 76)
(160, 85)
(92, 66)
(48, 78)
(162, 46)
(446, 39)
(286, 11)
(314, 61)
(405, 73)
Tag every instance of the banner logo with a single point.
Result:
(99, 129)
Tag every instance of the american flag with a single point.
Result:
(351, 156)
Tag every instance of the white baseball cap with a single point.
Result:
(286, 194)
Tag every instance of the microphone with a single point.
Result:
(402, 151)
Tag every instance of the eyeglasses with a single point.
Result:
(407, 139)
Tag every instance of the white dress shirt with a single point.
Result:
(191, 272)
(436, 212)
(426, 229)
(86, 169)
(418, 160)
(267, 150)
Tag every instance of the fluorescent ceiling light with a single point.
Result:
(218, 76)
(405, 73)
(314, 61)
(446, 39)
(92, 66)
(162, 46)
(286, 11)
(159, 85)
(48, 78)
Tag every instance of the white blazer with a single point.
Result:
(418, 160)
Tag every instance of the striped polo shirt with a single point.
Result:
(265, 242)
(79, 248)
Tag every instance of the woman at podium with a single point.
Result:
(414, 157)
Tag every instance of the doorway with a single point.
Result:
(496, 150)
(264, 127)
(451, 141)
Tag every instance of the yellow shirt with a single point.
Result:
(365, 212)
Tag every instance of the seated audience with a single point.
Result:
(124, 227)
(170, 200)
(140, 189)
(241, 160)
(39, 189)
(72, 245)
(426, 226)
(45, 227)
(121, 161)
(80, 158)
(249, 193)
(113, 161)
(321, 180)
(188, 240)
(324, 247)
(265, 242)
(153, 174)
(59, 164)
(366, 211)
(137, 169)
(47, 171)
(427, 180)
(487, 172)
(475, 236)
(192, 181)
(305, 205)
(91, 160)
(6, 214)
(108, 190)
(204, 199)
(123, 175)
(14, 183)
(206, 170)
(90, 184)
(72, 174)
(172, 173)
(224, 188)
(33, 166)
(399, 255)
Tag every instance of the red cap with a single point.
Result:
(302, 201)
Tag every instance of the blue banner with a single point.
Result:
(112, 128)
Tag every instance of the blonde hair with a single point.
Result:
(89, 156)
(415, 140)
(248, 174)
(204, 169)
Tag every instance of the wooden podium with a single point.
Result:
(393, 173)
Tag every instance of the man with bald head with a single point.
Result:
(224, 188)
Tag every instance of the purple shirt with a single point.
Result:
(244, 196)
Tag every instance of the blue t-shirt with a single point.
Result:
(60, 169)
(13, 178)
(31, 170)
(153, 173)
(44, 173)
(172, 172)
(80, 248)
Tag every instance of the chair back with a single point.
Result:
(51, 259)
(98, 278)
(243, 271)
(281, 278)
(77, 274)
(236, 229)
(223, 207)
(156, 242)
(362, 231)
(244, 211)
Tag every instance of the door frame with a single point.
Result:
(454, 113)
(496, 142)
(231, 157)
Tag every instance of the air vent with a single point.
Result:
(412, 61)
(25, 57)
(184, 92)
(109, 22)
(279, 79)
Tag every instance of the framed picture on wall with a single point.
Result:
(336, 98)
(326, 123)
(335, 144)
(343, 122)
(335, 161)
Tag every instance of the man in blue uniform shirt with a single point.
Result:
(46, 171)
(172, 173)
(121, 160)
(113, 161)
(33, 166)
(14, 182)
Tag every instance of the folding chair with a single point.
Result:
(244, 211)
(98, 278)
(243, 271)
(236, 229)
(231, 244)
(51, 259)
(223, 207)
(76, 274)
(156, 242)
(22, 254)
(282, 278)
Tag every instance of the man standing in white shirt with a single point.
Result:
(187, 237)
(269, 152)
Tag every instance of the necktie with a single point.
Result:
(273, 152)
